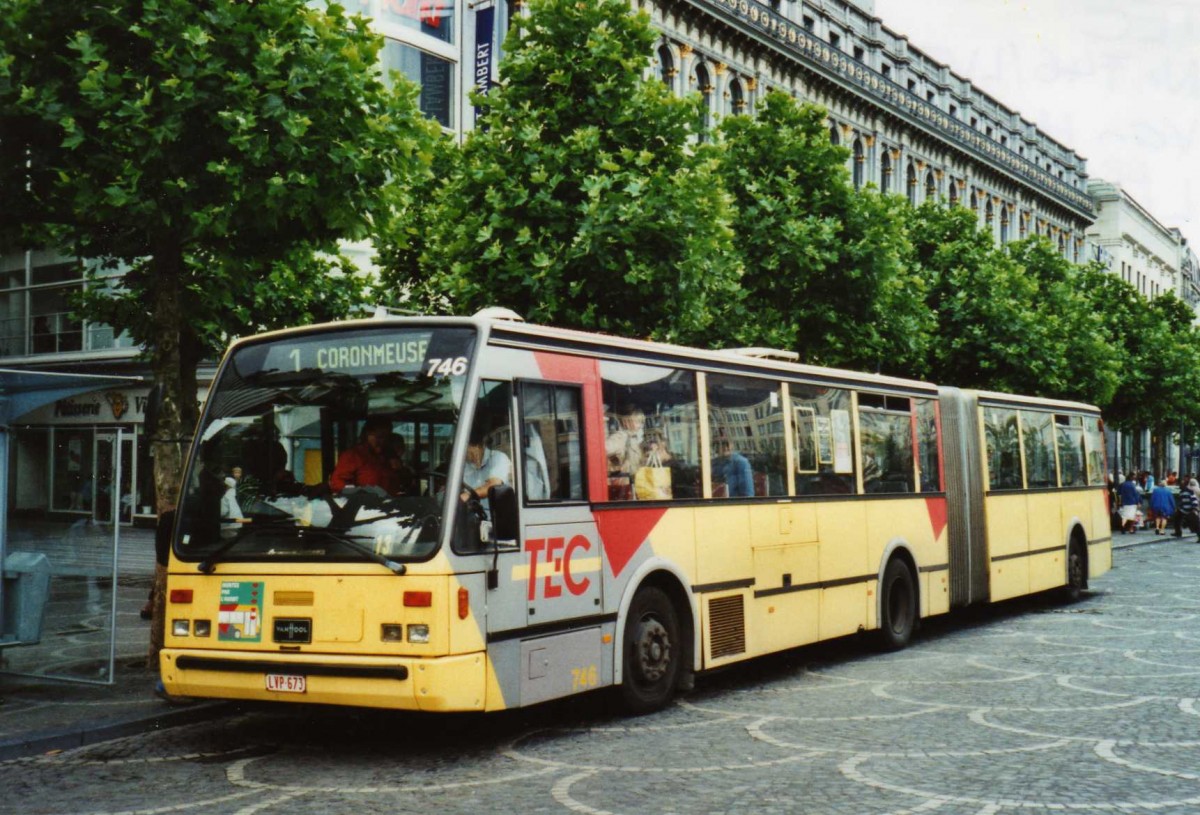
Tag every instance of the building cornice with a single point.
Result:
(833, 65)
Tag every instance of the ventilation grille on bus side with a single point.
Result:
(726, 626)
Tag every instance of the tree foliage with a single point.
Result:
(212, 149)
(824, 269)
(1007, 319)
(579, 199)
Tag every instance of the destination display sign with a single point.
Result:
(432, 352)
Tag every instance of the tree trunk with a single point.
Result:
(173, 361)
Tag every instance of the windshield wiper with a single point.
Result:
(349, 542)
(209, 563)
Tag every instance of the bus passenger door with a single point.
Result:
(559, 537)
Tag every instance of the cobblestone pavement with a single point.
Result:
(1032, 707)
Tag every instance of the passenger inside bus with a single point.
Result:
(374, 462)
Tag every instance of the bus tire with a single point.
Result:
(652, 652)
(898, 606)
(1076, 571)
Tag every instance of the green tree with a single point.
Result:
(1087, 369)
(212, 148)
(1006, 321)
(580, 200)
(824, 271)
(1153, 346)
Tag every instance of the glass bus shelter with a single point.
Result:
(63, 572)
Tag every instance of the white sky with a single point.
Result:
(1116, 81)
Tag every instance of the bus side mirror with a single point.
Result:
(502, 499)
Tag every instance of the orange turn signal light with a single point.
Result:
(181, 595)
(464, 603)
(418, 599)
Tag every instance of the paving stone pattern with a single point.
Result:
(1031, 707)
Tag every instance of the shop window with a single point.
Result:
(886, 427)
(551, 443)
(434, 75)
(434, 18)
(1040, 469)
(824, 441)
(652, 432)
(1003, 448)
(73, 484)
(745, 429)
(1071, 452)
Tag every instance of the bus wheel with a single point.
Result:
(652, 652)
(1076, 572)
(899, 605)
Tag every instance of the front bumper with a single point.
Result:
(454, 683)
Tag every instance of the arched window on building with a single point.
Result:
(987, 212)
(885, 171)
(974, 198)
(911, 184)
(1003, 224)
(856, 171)
(1062, 245)
(705, 87)
(737, 98)
(1022, 225)
(834, 138)
(953, 190)
(666, 67)
(930, 187)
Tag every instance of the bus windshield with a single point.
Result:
(327, 446)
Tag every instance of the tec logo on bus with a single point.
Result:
(553, 556)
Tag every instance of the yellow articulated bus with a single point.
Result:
(457, 514)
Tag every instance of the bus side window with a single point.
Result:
(551, 445)
(886, 427)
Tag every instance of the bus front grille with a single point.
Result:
(726, 626)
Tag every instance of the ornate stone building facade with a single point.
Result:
(913, 126)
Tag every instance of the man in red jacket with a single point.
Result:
(369, 463)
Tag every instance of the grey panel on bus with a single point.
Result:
(964, 497)
(560, 665)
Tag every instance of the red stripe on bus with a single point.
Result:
(937, 515)
(623, 531)
(585, 371)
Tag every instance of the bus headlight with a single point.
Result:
(391, 632)
(202, 628)
(418, 633)
(180, 628)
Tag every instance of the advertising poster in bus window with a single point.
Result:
(824, 440)
(806, 440)
(843, 461)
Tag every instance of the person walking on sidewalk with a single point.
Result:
(1131, 501)
(1187, 504)
(1162, 507)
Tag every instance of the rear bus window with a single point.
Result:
(1071, 456)
(1037, 430)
